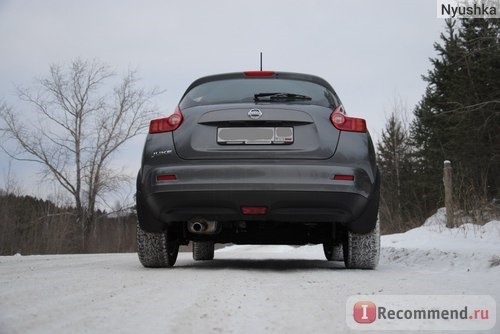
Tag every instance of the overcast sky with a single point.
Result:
(370, 51)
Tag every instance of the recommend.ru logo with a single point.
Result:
(421, 312)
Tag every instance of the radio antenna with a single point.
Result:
(261, 61)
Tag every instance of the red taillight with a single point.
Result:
(341, 177)
(166, 124)
(345, 123)
(169, 177)
(259, 73)
(253, 210)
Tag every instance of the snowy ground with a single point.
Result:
(247, 289)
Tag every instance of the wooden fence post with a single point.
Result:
(448, 193)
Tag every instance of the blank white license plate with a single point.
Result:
(255, 136)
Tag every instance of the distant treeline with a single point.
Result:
(457, 119)
(29, 225)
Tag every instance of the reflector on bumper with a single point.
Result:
(253, 210)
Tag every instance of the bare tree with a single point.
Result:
(11, 182)
(80, 122)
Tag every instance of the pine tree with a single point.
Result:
(459, 116)
(393, 157)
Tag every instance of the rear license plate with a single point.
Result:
(255, 136)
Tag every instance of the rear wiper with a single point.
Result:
(280, 97)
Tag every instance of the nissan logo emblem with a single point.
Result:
(255, 114)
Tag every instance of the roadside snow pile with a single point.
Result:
(431, 246)
(467, 247)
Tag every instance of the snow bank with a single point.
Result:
(432, 245)
(469, 246)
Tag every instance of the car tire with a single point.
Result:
(333, 252)
(156, 250)
(362, 251)
(203, 250)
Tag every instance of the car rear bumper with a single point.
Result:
(286, 206)
(290, 193)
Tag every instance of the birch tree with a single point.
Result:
(80, 120)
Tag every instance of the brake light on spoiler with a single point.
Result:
(259, 73)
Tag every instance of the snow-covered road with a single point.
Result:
(246, 289)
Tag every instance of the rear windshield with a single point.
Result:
(243, 91)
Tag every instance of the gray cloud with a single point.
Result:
(369, 50)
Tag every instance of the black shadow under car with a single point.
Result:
(258, 157)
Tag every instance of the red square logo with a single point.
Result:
(365, 312)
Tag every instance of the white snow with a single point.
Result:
(246, 289)
(435, 246)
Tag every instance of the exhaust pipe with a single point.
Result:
(199, 226)
(202, 226)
